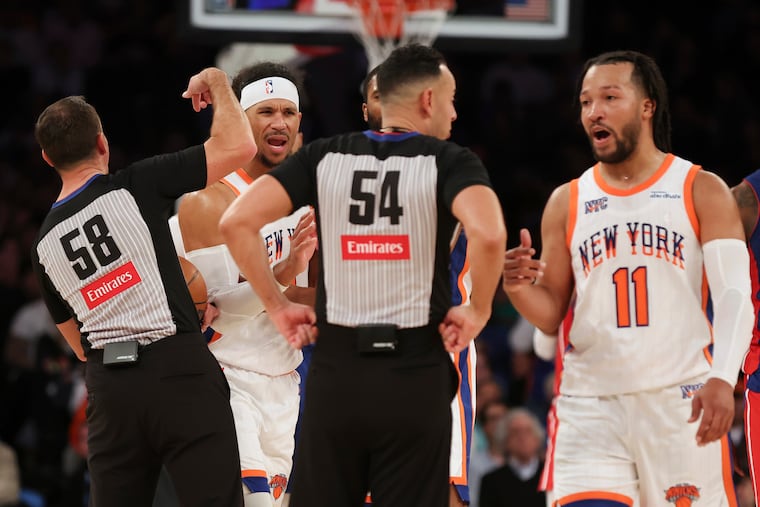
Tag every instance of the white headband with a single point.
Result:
(268, 88)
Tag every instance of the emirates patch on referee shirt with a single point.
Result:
(109, 285)
(375, 247)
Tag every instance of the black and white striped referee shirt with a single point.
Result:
(383, 204)
(104, 255)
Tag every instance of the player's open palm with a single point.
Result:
(715, 401)
(303, 243)
(296, 322)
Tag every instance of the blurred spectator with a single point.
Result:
(484, 459)
(10, 485)
(515, 484)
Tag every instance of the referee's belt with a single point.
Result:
(381, 339)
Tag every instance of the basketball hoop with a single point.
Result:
(383, 25)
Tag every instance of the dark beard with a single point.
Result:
(374, 123)
(625, 145)
(266, 162)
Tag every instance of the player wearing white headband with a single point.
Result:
(259, 363)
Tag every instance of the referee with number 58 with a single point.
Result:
(377, 397)
(112, 282)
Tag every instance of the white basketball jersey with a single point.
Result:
(252, 342)
(641, 290)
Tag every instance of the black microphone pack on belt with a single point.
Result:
(120, 353)
(377, 338)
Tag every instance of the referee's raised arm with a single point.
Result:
(231, 143)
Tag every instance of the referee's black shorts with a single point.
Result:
(378, 423)
(172, 406)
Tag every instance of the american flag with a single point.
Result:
(527, 10)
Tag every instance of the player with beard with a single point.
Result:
(371, 104)
(258, 362)
(646, 397)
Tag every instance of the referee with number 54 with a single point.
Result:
(112, 282)
(377, 411)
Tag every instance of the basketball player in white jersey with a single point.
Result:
(646, 397)
(258, 363)
(463, 405)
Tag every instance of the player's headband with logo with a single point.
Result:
(274, 87)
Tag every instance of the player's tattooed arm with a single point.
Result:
(748, 206)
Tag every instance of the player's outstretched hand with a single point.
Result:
(460, 326)
(520, 268)
(715, 401)
(296, 322)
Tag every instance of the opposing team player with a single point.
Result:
(746, 195)
(645, 401)
(258, 363)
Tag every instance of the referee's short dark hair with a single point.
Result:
(406, 65)
(67, 131)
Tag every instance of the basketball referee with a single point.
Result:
(377, 411)
(112, 282)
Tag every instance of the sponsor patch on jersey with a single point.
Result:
(682, 494)
(688, 390)
(110, 285)
(375, 248)
(663, 194)
(595, 205)
(278, 484)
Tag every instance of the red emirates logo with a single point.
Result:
(375, 248)
(108, 286)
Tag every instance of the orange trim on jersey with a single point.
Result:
(705, 298)
(215, 337)
(243, 175)
(620, 192)
(464, 478)
(728, 481)
(254, 473)
(572, 212)
(461, 479)
(460, 280)
(596, 495)
(688, 198)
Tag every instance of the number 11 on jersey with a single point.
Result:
(623, 300)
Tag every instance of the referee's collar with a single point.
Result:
(389, 136)
(76, 192)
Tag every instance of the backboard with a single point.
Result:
(475, 25)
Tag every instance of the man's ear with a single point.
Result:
(102, 143)
(47, 159)
(649, 107)
(426, 102)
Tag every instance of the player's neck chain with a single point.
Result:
(395, 130)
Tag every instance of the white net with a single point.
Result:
(383, 25)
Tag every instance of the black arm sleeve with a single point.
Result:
(58, 308)
(461, 168)
(297, 174)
